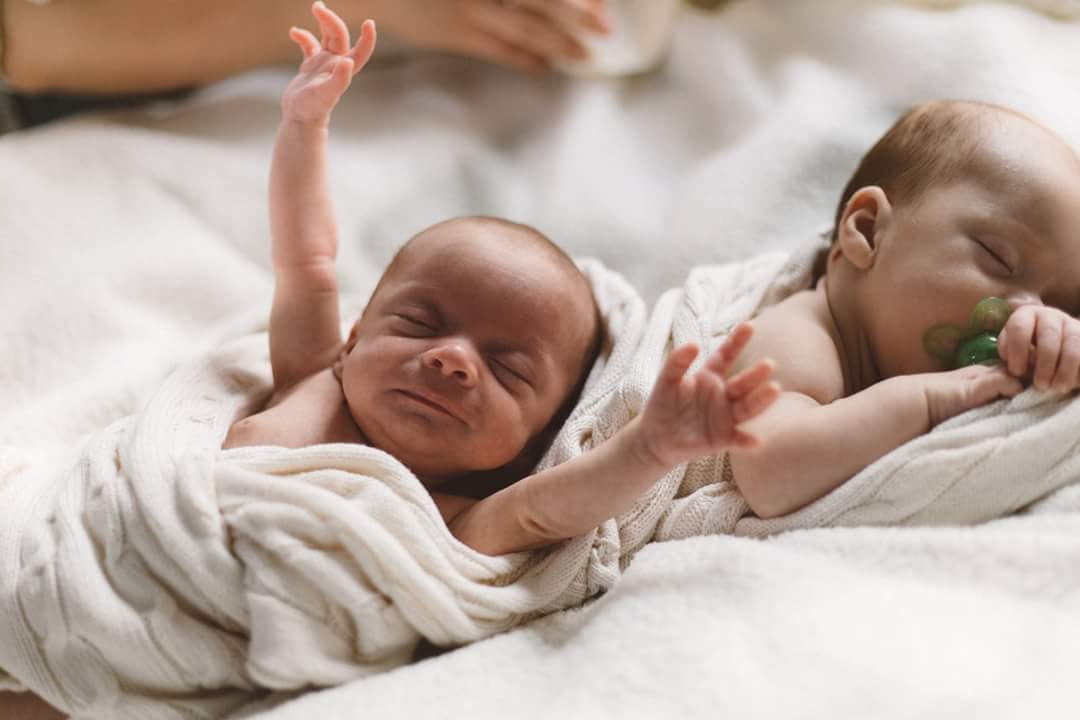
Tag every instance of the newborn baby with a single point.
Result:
(958, 202)
(470, 352)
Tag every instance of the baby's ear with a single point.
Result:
(866, 214)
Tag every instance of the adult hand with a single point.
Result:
(525, 34)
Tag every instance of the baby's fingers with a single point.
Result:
(305, 40)
(1067, 376)
(758, 401)
(744, 440)
(364, 47)
(994, 383)
(1015, 341)
(335, 33)
(677, 364)
(724, 357)
(1049, 336)
(745, 382)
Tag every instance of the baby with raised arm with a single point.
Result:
(473, 347)
(957, 203)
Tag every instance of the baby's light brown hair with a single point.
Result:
(930, 145)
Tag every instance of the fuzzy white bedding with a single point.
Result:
(130, 244)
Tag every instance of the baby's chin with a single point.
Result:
(431, 456)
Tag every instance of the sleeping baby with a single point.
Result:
(471, 350)
(957, 203)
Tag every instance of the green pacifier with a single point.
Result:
(977, 343)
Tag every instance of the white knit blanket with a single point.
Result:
(132, 243)
(148, 574)
(151, 575)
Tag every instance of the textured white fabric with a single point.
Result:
(147, 574)
(150, 564)
(131, 244)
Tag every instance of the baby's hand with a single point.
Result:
(689, 416)
(951, 393)
(327, 69)
(1044, 341)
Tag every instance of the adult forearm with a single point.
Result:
(561, 502)
(808, 453)
(119, 46)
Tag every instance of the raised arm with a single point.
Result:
(687, 416)
(305, 331)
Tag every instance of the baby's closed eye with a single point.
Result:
(414, 325)
(509, 372)
(999, 257)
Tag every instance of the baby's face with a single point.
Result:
(466, 351)
(1012, 232)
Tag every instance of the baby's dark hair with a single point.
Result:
(932, 144)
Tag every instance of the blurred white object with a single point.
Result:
(1064, 9)
(640, 35)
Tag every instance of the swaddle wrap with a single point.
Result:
(147, 574)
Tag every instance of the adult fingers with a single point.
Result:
(489, 47)
(335, 34)
(307, 42)
(530, 32)
(571, 14)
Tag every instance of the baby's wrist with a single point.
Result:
(293, 122)
(644, 449)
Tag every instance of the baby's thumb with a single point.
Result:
(343, 67)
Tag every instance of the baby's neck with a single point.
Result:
(852, 345)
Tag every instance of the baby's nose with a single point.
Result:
(453, 360)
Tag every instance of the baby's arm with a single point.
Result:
(687, 416)
(305, 331)
(814, 442)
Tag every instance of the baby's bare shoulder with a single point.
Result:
(310, 412)
(795, 335)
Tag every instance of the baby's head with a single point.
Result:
(476, 339)
(957, 202)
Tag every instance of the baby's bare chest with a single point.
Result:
(310, 413)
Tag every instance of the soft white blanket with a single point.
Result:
(130, 245)
(148, 574)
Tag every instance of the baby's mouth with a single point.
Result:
(432, 401)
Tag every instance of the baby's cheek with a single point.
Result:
(498, 434)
